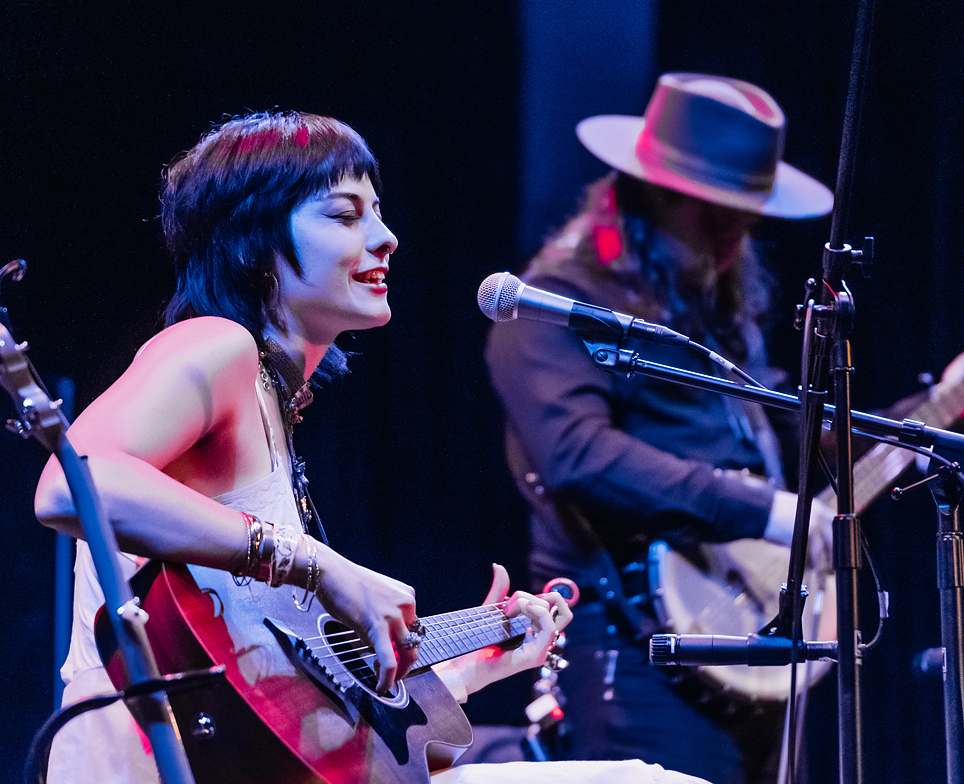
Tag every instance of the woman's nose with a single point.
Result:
(382, 241)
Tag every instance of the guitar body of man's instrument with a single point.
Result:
(733, 588)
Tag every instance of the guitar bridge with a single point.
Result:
(307, 662)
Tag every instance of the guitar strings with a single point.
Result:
(437, 639)
(366, 653)
(495, 620)
(491, 610)
(491, 620)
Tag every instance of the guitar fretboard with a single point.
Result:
(884, 463)
(451, 634)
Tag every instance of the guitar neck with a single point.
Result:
(876, 470)
(454, 633)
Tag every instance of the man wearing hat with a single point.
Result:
(608, 463)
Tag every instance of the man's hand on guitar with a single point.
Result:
(548, 613)
(780, 525)
(379, 608)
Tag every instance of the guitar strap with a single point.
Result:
(766, 441)
(313, 523)
(607, 582)
(750, 423)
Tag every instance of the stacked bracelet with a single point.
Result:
(256, 565)
(314, 573)
(312, 578)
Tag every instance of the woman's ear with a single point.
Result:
(272, 301)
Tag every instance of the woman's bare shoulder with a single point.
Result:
(220, 339)
(186, 381)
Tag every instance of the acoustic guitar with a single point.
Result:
(297, 702)
(733, 587)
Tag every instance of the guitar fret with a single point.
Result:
(428, 654)
(455, 633)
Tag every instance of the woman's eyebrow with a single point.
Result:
(342, 195)
(352, 196)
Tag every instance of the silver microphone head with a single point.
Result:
(498, 296)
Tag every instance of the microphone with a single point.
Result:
(694, 650)
(503, 297)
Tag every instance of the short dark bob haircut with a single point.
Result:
(226, 206)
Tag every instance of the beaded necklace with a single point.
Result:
(278, 368)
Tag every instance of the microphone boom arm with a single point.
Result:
(908, 433)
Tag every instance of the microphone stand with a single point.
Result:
(947, 491)
(909, 434)
(40, 417)
(831, 335)
(826, 319)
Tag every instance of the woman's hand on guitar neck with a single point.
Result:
(379, 608)
(548, 614)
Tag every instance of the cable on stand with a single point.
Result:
(831, 322)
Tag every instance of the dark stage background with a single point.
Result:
(470, 107)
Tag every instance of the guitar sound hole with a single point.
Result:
(355, 655)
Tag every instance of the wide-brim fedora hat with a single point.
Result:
(715, 138)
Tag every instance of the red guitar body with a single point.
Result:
(269, 718)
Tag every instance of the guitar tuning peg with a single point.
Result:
(925, 380)
(16, 426)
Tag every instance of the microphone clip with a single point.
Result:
(606, 354)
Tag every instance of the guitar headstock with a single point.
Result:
(37, 414)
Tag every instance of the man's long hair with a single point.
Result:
(726, 305)
(613, 243)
